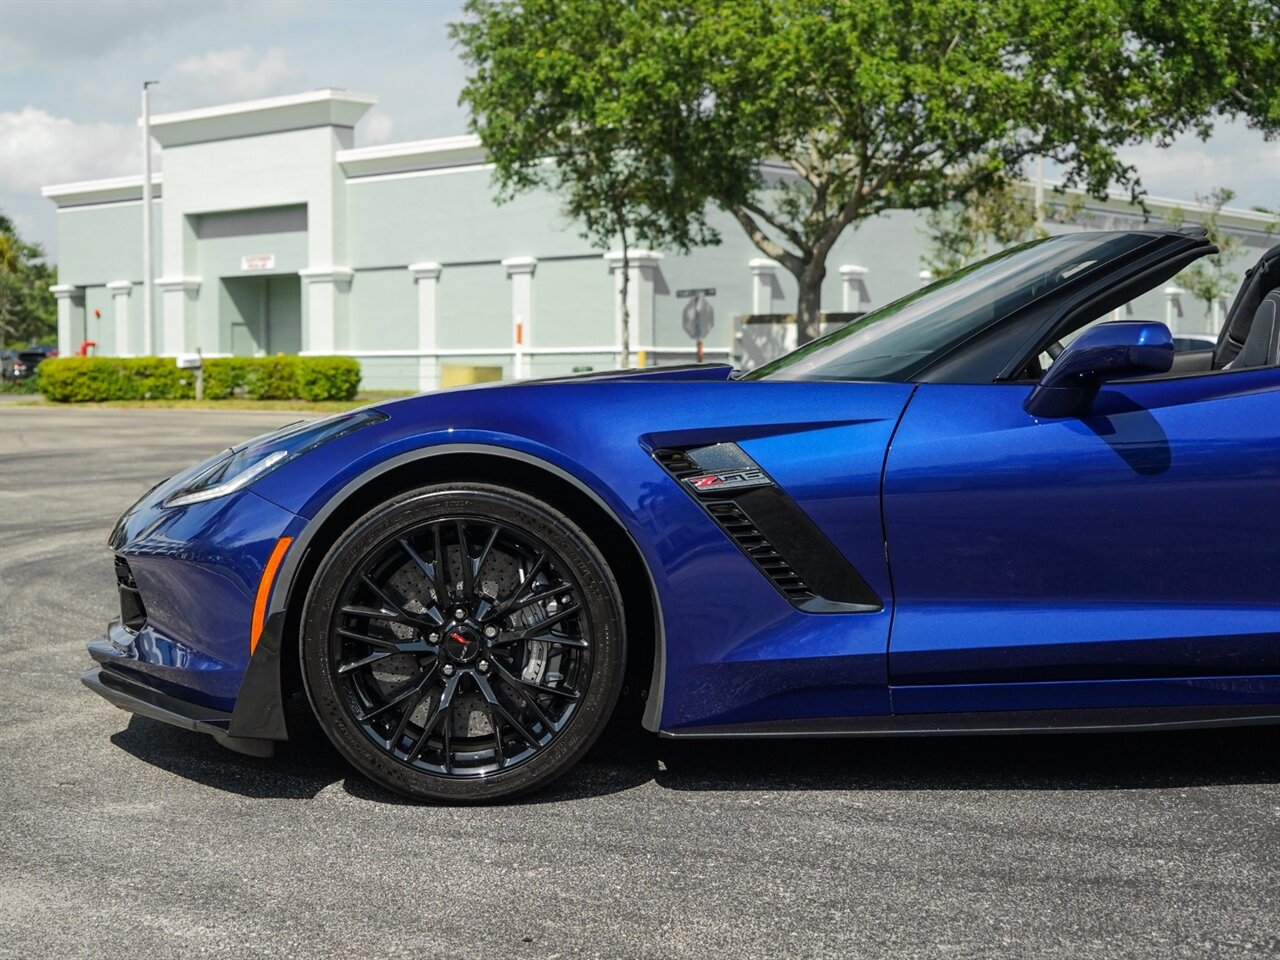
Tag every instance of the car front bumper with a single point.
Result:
(132, 693)
(181, 647)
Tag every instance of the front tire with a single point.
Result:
(463, 643)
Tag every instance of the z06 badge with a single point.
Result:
(728, 480)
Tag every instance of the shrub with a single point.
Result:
(276, 378)
(88, 379)
(254, 378)
(225, 377)
(83, 379)
(328, 378)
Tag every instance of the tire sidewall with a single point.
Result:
(604, 623)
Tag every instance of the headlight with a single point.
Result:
(243, 464)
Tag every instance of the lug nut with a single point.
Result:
(460, 614)
(447, 669)
(491, 631)
(566, 598)
(483, 665)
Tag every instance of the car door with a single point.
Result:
(1130, 557)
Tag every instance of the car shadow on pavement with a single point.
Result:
(300, 769)
(1099, 761)
(626, 757)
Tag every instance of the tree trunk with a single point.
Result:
(809, 303)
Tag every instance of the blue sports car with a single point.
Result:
(987, 507)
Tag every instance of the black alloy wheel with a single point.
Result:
(463, 643)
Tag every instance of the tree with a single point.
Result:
(997, 217)
(28, 312)
(1208, 279)
(960, 233)
(801, 118)
(1273, 219)
(607, 183)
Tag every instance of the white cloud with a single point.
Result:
(1234, 157)
(38, 149)
(224, 76)
(374, 128)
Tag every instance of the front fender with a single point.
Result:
(259, 707)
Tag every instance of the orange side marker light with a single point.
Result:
(264, 590)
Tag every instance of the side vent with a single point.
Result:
(770, 528)
(762, 553)
(678, 463)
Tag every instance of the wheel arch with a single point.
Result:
(273, 673)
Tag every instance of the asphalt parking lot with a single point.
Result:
(122, 837)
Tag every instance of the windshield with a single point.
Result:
(900, 340)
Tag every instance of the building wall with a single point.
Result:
(99, 243)
(450, 216)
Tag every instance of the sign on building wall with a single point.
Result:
(258, 261)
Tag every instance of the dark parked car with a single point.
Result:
(7, 358)
(1194, 343)
(24, 365)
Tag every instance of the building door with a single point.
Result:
(283, 320)
(264, 313)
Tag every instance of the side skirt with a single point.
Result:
(1004, 722)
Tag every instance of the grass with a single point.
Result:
(364, 398)
(18, 387)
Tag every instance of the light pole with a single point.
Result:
(148, 273)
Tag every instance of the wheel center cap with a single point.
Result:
(461, 644)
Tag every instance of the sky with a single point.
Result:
(71, 73)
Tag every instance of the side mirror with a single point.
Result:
(1124, 348)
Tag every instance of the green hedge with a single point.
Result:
(328, 378)
(87, 379)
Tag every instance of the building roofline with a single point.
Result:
(111, 190)
(441, 152)
(1122, 198)
(315, 108)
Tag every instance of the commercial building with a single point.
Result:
(275, 233)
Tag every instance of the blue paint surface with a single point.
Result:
(1128, 558)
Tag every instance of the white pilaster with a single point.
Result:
(120, 291)
(178, 305)
(764, 284)
(324, 286)
(1217, 314)
(853, 287)
(520, 273)
(63, 293)
(642, 281)
(427, 276)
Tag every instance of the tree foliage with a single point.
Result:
(1272, 226)
(801, 118)
(1209, 279)
(28, 313)
(961, 232)
(985, 220)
